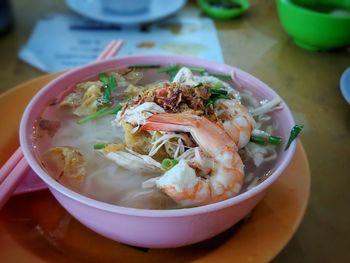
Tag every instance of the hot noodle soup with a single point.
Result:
(159, 137)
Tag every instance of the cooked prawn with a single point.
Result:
(237, 121)
(181, 182)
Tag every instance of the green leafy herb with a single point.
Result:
(112, 82)
(216, 94)
(104, 78)
(109, 85)
(100, 113)
(167, 163)
(218, 91)
(217, 85)
(294, 134)
(106, 98)
(99, 146)
(143, 66)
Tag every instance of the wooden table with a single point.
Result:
(307, 81)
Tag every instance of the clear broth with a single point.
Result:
(105, 181)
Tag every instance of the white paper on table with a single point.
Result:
(63, 41)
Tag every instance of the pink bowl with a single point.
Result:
(153, 228)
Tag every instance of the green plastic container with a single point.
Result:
(224, 13)
(318, 28)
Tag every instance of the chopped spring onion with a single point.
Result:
(257, 140)
(97, 114)
(99, 146)
(193, 69)
(171, 71)
(263, 140)
(100, 113)
(294, 134)
(178, 67)
(167, 69)
(198, 85)
(143, 66)
(116, 109)
(276, 140)
(167, 163)
(221, 76)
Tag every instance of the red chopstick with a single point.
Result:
(14, 170)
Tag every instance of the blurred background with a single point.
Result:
(299, 48)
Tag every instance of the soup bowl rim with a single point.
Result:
(26, 143)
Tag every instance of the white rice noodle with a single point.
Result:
(185, 76)
(264, 118)
(172, 148)
(261, 154)
(197, 155)
(180, 148)
(266, 107)
(234, 79)
(254, 183)
(187, 155)
(249, 177)
(140, 194)
(146, 158)
(133, 161)
(261, 133)
(251, 100)
(150, 183)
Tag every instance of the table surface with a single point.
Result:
(307, 81)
